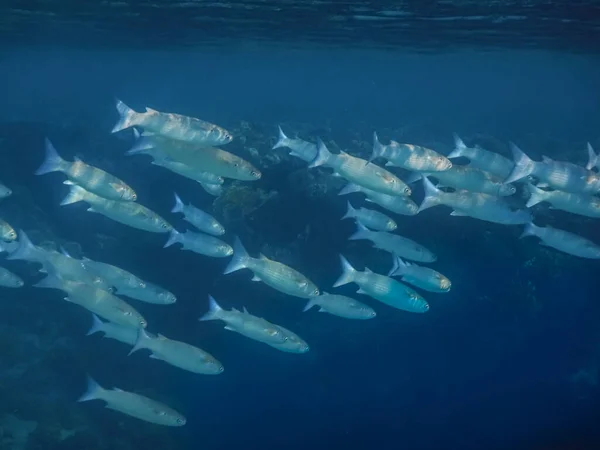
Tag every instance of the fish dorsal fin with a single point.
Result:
(546, 159)
(77, 159)
(367, 270)
(151, 111)
(235, 310)
(262, 256)
(116, 389)
(161, 337)
(246, 311)
(256, 278)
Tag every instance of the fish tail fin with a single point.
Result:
(142, 341)
(312, 302)
(214, 310)
(361, 232)
(97, 325)
(536, 195)
(53, 162)
(26, 250)
(322, 156)
(349, 189)
(282, 139)
(348, 273)
(350, 212)
(459, 147)
(127, 117)
(399, 266)
(592, 158)
(51, 281)
(431, 197)
(174, 237)
(76, 194)
(378, 148)
(413, 177)
(142, 144)
(529, 230)
(524, 165)
(178, 208)
(240, 257)
(94, 391)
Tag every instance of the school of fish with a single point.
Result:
(189, 147)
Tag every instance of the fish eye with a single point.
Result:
(12, 234)
(163, 225)
(127, 313)
(315, 292)
(180, 421)
(407, 190)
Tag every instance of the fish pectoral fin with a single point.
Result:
(321, 309)
(256, 278)
(153, 356)
(68, 183)
(361, 291)
(458, 213)
(91, 209)
(228, 328)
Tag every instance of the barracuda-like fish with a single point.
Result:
(306, 151)
(399, 204)
(198, 218)
(245, 324)
(9, 279)
(204, 159)
(382, 288)
(97, 301)
(341, 306)
(89, 177)
(394, 244)
(563, 241)
(410, 157)
(472, 179)
(203, 244)
(150, 293)
(293, 344)
(128, 213)
(582, 204)
(473, 204)
(272, 273)
(360, 171)
(173, 126)
(7, 233)
(113, 275)
(370, 218)
(480, 158)
(126, 335)
(178, 354)
(560, 175)
(133, 405)
(421, 277)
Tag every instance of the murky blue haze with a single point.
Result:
(508, 359)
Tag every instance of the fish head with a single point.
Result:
(167, 297)
(225, 249)
(220, 135)
(213, 365)
(394, 183)
(138, 319)
(440, 163)
(275, 333)
(135, 283)
(164, 224)
(17, 282)
(506, 190)
(170, 416)
(390, 225)
(125, 192)
(443, 282)
(10, 235)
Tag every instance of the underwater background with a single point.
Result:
(509, 358)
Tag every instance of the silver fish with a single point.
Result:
(173, 126)
(560, 175)
(203, 244)
(371, 219)
(410, 157)
(203, 159)
(9, 279)
(360, 171)
(306, 151)
(563, 241)
(113, 275)
(293, 344)
(133, 405)
(178, 354)
(128, 213)
(7, 233)
(201, 220)
(395, 244)
(480, 158)
(382, 288)
(399, 204)
(473, 204)
(474, 180)
(272, 273)
(582, 204)
(150, 293)
(89, 177)
(126, 335)
(245, 324)
(187, 171)
(341, 306)
(421, 277)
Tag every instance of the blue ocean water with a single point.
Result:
(508, 358)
